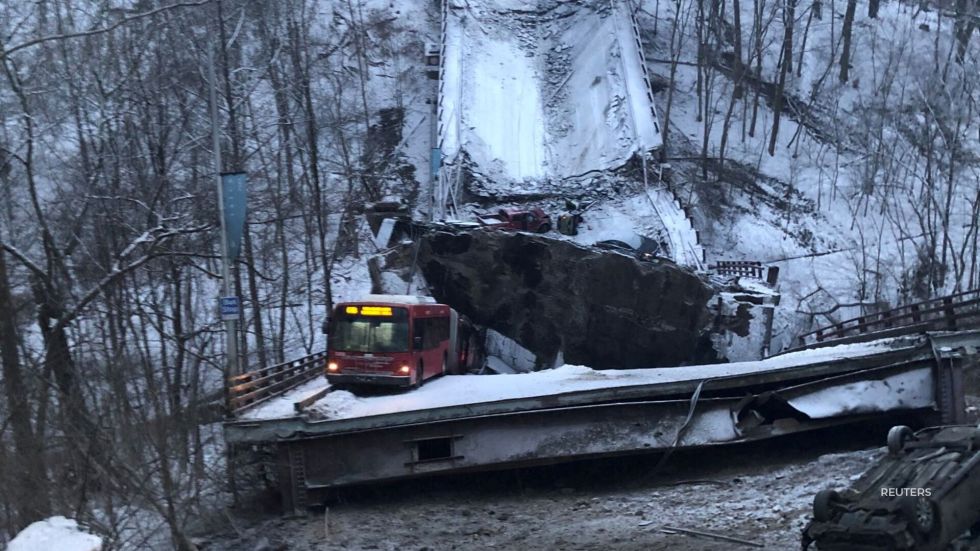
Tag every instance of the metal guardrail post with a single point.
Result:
(772, 276)
(950, 313)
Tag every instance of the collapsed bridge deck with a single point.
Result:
(460, 423)
(573, 98)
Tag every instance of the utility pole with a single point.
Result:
(231, 321)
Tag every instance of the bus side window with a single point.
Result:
(431, 334)
(418, 334)
(436, 332)
(443, 325)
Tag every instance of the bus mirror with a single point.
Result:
(418, 343)
(325, 328)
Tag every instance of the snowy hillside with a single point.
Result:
(837, 141)
(553, 92)
(870, 195)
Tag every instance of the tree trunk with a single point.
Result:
(29, 489)
(806, 34)
(737, 68)
(757, 10)
(873, 8)
(784, 67)
(674, 58)
(253, 293)
(845, 55)
(789, 21)
(966, 22)
(700, 31)
(301, 68)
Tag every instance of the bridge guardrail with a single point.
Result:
(951, 312)
(256, 386)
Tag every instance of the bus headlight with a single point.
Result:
(404, 369)
(332, 366)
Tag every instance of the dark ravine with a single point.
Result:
(604, 310)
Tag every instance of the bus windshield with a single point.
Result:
(371, 333)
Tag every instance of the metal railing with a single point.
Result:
(254, 387)
(743, 268)
(953, 312)
(637, 38)
(747, 268)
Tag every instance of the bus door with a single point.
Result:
(430, 343)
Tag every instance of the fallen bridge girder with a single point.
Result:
(562, 434)
(920, 378)
(904, 350)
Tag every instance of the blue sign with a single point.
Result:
(234, 208)
(231, 308)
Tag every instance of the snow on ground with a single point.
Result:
(623, 220)
(813, 194)
(654, 214)
(282, 406)
(454, 390)
(54, 534)
(743, 492)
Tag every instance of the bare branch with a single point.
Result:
(103, 30)
(154, 237)
(23, 259)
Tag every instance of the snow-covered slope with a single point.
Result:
(849, 206)
(535, 92)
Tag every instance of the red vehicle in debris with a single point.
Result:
(533, 220)
(392, 340)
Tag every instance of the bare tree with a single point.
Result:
(785, 62)
(845, 56)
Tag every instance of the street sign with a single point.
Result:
(230, 308)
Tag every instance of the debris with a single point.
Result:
(304, 403)
(921, 495)
(722, 537)
(705, 481)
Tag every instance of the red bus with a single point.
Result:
(391, 340)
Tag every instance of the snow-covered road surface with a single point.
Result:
(454, 390)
